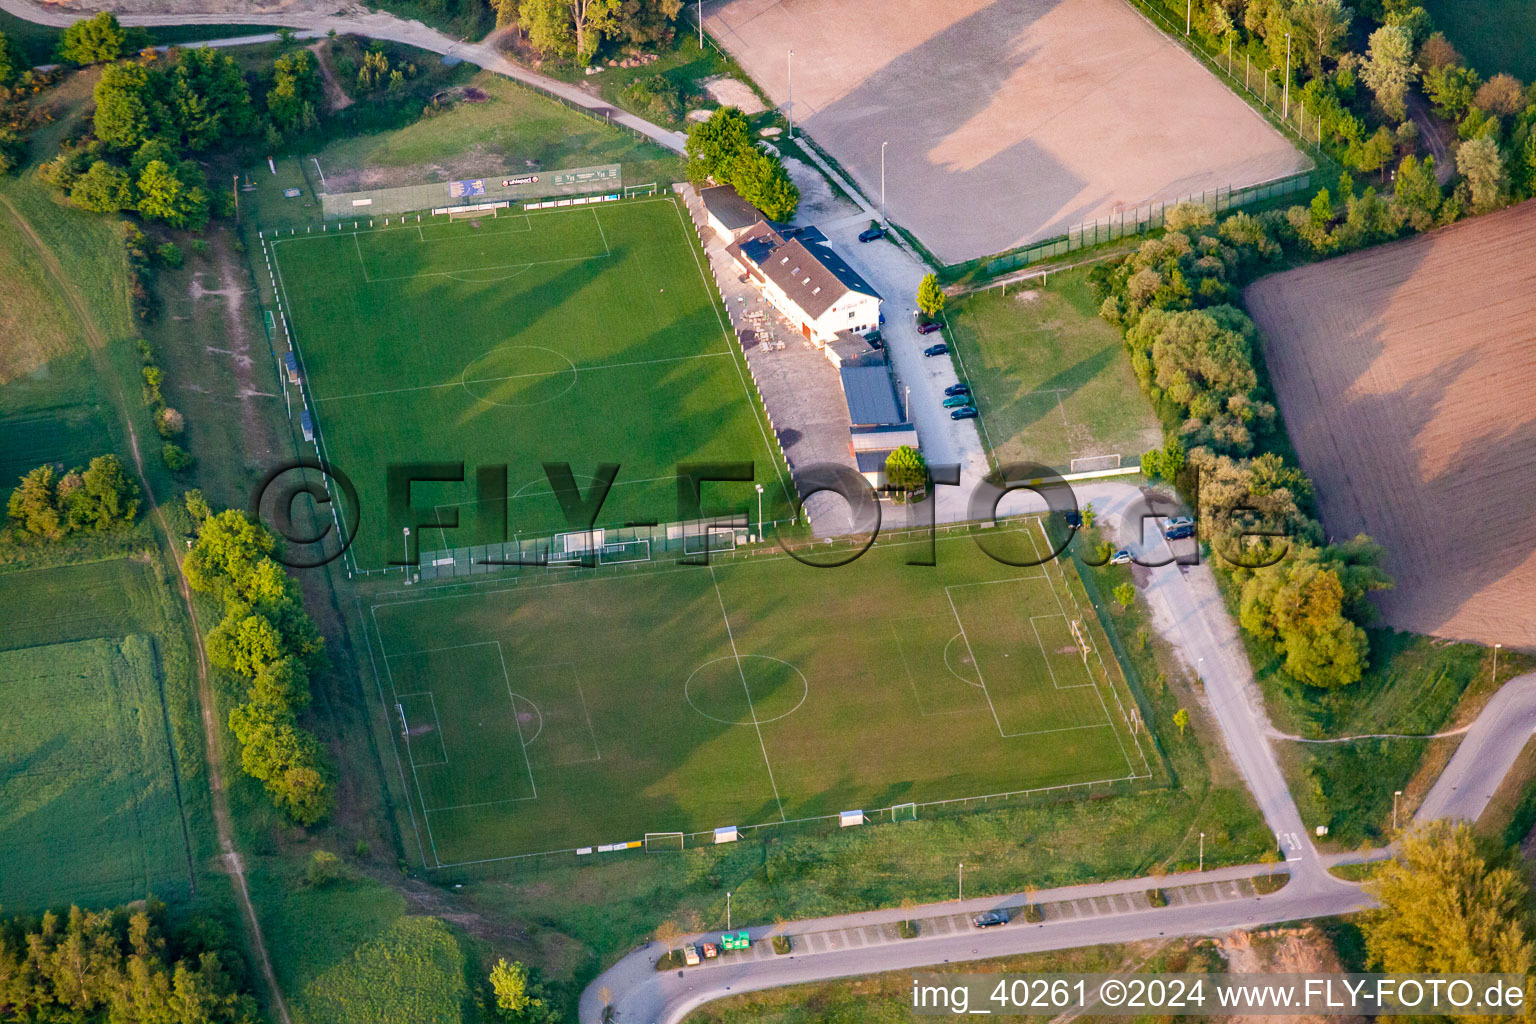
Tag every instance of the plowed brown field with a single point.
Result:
(1407, 376)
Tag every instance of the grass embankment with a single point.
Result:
(1051, 378)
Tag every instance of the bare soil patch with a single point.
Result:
(1407, 376)
(732, 92)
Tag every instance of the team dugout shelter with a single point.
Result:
(524, 187)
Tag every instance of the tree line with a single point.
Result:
(268, 641)
(577, 30)
(49, 506)
(155, 114)
(1194, 351)
(722, 149)
(125, 965)
(1357, 99)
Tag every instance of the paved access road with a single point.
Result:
(1486, 755)
(376, 25)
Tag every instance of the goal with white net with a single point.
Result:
(663, 842)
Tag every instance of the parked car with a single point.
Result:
(871, 233)
(990, 919)
(1180, 532)
(1180, 521)
(710, 952)
(929, 327)
(940, 349)
(691, 955)
(882, 319)
(967, 413)
(1121, 557)
(958, 389)
(957, 401)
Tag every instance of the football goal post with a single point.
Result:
(663, 842)
(904, 812)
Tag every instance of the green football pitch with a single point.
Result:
(555, 710)
(585, 335)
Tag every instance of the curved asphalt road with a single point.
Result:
(376, 25)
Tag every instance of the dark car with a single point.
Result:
(1180, 532)
(929, 327)
(967, 413)
(870, 234)
(958, 389)
(936, 350)
(989, 919)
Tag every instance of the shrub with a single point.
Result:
(782, 944)
(176, 457)
(169, 422)
(324, 868)
(670, 959)
(1125, 595)
(169, 253)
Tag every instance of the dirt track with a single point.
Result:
(1407, 376)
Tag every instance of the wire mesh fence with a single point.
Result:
(1132, 220)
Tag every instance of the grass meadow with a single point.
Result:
(590, 335)
(551, 715)
(103, 792)
(1051, 378)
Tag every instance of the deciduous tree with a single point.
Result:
(1448, 907)
(1389, 68)
(94, 40)
(1482, 164)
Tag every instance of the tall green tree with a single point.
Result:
(1389, 68)
(1418, 191)
(34, 505)
(1322, 25)
(103, 188)
(107, 499)
(176, 195)
(125, 103)
(906, 471)
(94, 40)
(296, 89)
(1299, 606)
(1482, 163)
(208, 103)
(1449, 907)
(12, 62)
(930, 296)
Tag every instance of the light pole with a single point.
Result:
(407, 545)
(1287, 112)
(1202, 851)
(962, 881)
(882, 182)
(1395, 794)
(1496, 663)
(790, 110)
(1188, 9)
(759, 537)
(701, 24)
(727, 911)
